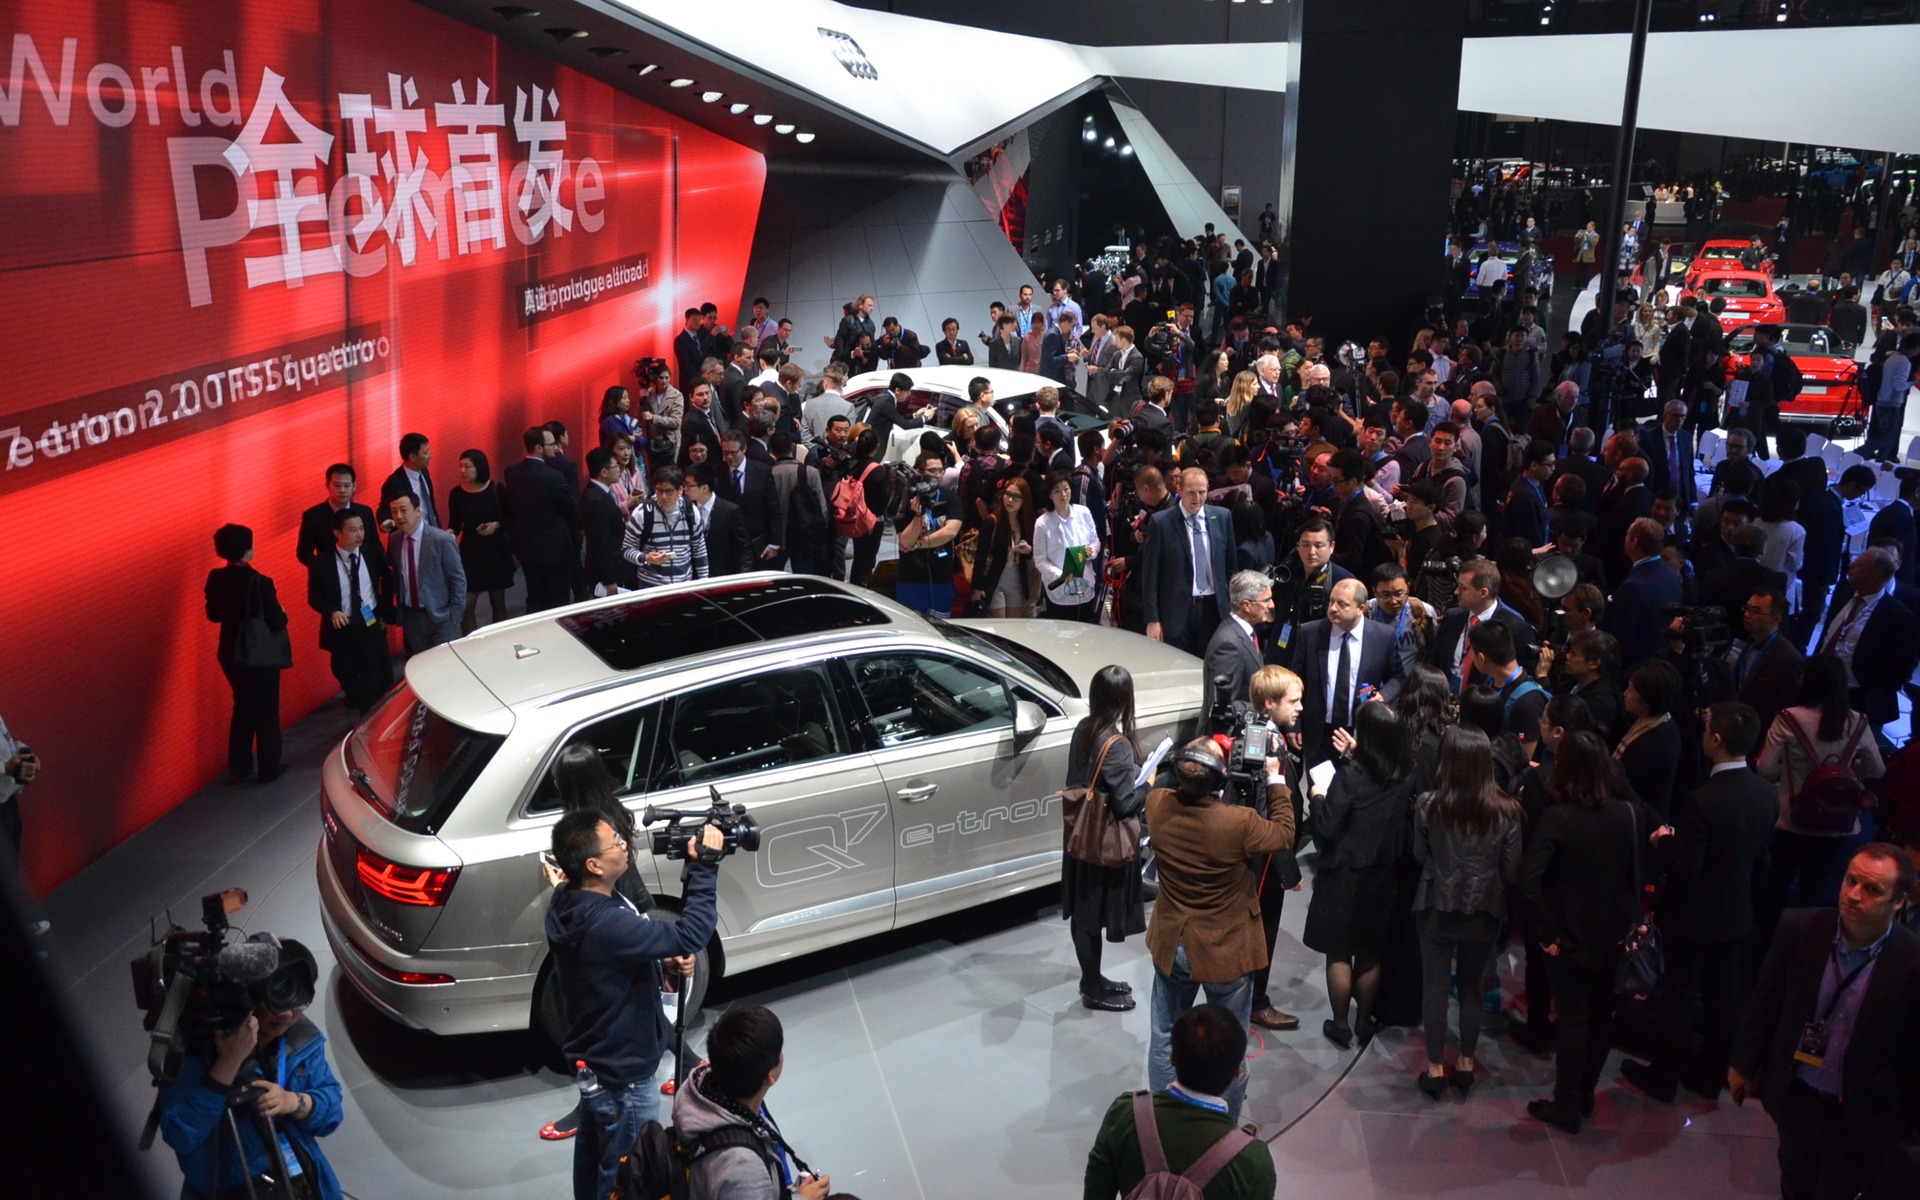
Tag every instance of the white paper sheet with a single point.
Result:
(1152, 765)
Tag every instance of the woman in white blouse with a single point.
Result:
(1065, 531)
(1786, 538)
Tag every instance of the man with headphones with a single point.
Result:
(1206, 931)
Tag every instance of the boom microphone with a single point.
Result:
(248, 963)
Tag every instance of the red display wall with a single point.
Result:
(242, 241)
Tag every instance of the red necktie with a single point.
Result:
(413, 575)
(1466, 655)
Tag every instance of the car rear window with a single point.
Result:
(649, 630)
(414, 765)
(1743, 289)
(1721, 252)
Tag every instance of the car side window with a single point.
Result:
(915, 697)
(622, 741)
(743, 726)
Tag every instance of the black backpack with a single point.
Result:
(806, 519)
(1787, 380)
(660, 1165)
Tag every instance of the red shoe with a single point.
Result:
(561, 1130)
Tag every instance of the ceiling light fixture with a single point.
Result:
(762, 119)
(510, 12)
(803, 138)
(737, 109)
(643, 68)
(783, 129)
(710, 97)
(679, 83)
(606, 51)
(1127, 149)
(1109, 143)
(561, 33)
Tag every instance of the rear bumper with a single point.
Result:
(476, 1002)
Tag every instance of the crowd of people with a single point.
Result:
(1358, 546)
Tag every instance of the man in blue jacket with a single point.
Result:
(278, 1057)
(608, 956)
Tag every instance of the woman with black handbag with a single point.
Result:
(254, 649)
(1581, 882)
(1097, 899)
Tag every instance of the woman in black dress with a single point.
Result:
(1563, 715)
(1581, 883)
(1361, 824)
(477, 513)
(1425, 708)
(236, 592)
(1649, 753)
(1100, 900)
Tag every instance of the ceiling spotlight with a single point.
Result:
(710, 97)
(1127, 149)
(509, 12)
(643, 68)
(1088, 135)
(783, 129)
(1109, 143)
(561, 33)
(737, 109)
(803, 138)
(679, 83)
(762, 119)
(606, 51)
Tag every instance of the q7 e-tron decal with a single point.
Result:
(811, 848)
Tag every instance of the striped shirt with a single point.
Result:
(680, 534)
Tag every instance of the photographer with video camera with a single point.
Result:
(608, 958)
(1301, 584)
(255, 1075)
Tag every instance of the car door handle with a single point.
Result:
(915, 793)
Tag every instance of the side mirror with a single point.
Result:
(1028, 720)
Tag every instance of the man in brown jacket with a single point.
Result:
(1206, 931)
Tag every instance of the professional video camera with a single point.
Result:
(1702, 629)
(1250, 744)
(920, 488)
(643, 370)
(683, 824)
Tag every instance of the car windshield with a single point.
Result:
(412, 764)
(1009, 654)
(1735, 289)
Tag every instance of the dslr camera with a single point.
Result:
(742, 832)
(1703, 629)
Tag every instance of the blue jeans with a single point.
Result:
(1173, 994)
(609, 1125)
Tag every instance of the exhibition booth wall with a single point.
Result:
(246, 241)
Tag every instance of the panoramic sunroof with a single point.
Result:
(648, 630)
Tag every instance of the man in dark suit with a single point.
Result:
(1359, 537)
(1833, 1064)
(1823, 516)
(1233, 652)
(1478, 596)
(1706, 907)
(729, 548)
(689, 351)
(1126, 377)
(1673, 355)
(888, 409)
(1060, 351)
(411, 476)
(749, 485)
(1668, 447)
(1738, 464)
(733, 382)
(1633, 614)
(1896, 521)
(1873, 633)
(428, 580)
(569, 470)
(349, 591)
(1525, 514)
(1184, 567)
(697, 423)
(605, 526)
(1368, 651)
(1632, 500)
(1554, 422)
(316, 541)
(546, 520)
(1796, 467)
(1767, 672)
(1728, 586)
(1849, 317)
(1581, 464)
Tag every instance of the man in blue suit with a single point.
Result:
(1667, 445)
(1896, 521)
(1633, 614)
(429, 584)
(1526, 511)
(1185, 566)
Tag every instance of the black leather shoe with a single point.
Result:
(1363, 1034)
(1434, 1086)
(1114, 987)
(1552, 1114)
(1462, 1081)
(1342, 1038)
(1654, 1082)
(1107, 1003)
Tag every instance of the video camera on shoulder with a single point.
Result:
(742, 832)
(1252, 743)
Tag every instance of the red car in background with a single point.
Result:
(1728, 254)
(1749, 296)
(1830, 378)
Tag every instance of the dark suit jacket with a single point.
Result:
(1003, 356)
(1822, 516)
(1053, 356)
(1673, 359)
(1379, 666)
(1883, 1089)
(1124, 380)
(316, 536)
(1525, 514)
(1359, 537)
(1883, 657)
(1633, 613)
(1849, 320)
(731, 386)
(1772, 680)
(729, 547)
(546, 514)
(1233, 656)
(1730, 468)
(757, 504)
(1589, 472)
(1730, 586)
(688, 354)
(1660, 472)
(697, 425)
(1166, 563)
(230, 593)
(1810, 473)
(323, 597)
(1578, 880)
(605, 527)
(1546, 423)
(1453, 626)
(398, 484)
(1720, 830)
(1628, 507)
(1896, 521)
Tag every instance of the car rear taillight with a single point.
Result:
(426, 887)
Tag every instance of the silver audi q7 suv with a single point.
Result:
(899, 769)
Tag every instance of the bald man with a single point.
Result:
(1342, 661)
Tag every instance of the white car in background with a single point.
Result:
(940, 392)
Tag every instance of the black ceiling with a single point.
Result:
(612, 42)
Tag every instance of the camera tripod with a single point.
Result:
(275, 1181)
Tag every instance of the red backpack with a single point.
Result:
(1829, 799)
(851, 516)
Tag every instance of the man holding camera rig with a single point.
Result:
(609, 961)
(273, 1062)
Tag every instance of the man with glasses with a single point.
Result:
(927, 531)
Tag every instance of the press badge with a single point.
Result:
(366, 613)
(1813, 1045)
(1285, 636)
(288, 1156)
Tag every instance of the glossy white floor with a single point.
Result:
(945, 1060)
